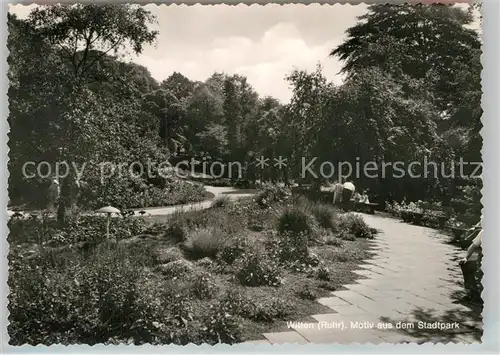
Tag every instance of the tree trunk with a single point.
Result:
(63, 199)
(66, 198)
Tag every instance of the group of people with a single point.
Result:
(346, 192)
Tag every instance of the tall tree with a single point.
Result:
(170, 113)
(81, 35)
(179, 85)
(306, 116)
(429, 42)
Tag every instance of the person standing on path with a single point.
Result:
(53, 192)
(347, 191)
(337, 193)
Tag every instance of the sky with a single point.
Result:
(263, 43)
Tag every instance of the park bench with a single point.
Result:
(365, 207)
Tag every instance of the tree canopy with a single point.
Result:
(412, 90)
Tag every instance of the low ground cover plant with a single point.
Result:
(202, 276)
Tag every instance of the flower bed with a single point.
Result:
(422, 213)
(197, 277)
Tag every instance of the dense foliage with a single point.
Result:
(412, 92)
(200, 276)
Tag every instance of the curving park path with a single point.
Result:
(408, 292)
(231, 192)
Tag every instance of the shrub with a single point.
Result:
(204, 286)
(176, 269)
(205, 242)
(234, 249)
(312, 259)
(125, 227)
(206, 263)
(126, 192)
(290, 247)
(271, 194)
(142, 251)
(221, 201)
(393, 208)
(257, 270)
(237, 303)
(73, 303)
(348, 255)
(346, 235)
(307, 292)
(270, 311)
(220, 326)
(176, 232)
(335, 241)
(355, 225)
(323, 273)
(281, 308)
(77, 229)
(324, 215)
(167, 255)
(295, 220)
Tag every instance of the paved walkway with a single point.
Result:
(231, 192)
(411, 283)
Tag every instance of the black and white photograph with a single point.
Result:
(234, 174)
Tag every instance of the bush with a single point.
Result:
(257, 270)
(324, 215)
(312, 260)
(291, 247)
(323, 273)
(270, 311)
(237, 303)
(141, 250)
(271, 194)
(393, 208)
(266, 311)
(355, 225)
(177, 269)
(307, 292)
(75, 303)
(206, 242)
(335, 241)
(348, 255)
(346, 235)
(221, 201)
(295, 220)
(206, 263)
(220, 326)
(176, 232)
(167, 255)
(233, 250)
(77, 229)
(127, 192)
(204, 286)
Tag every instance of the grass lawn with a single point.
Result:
(226, 274)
